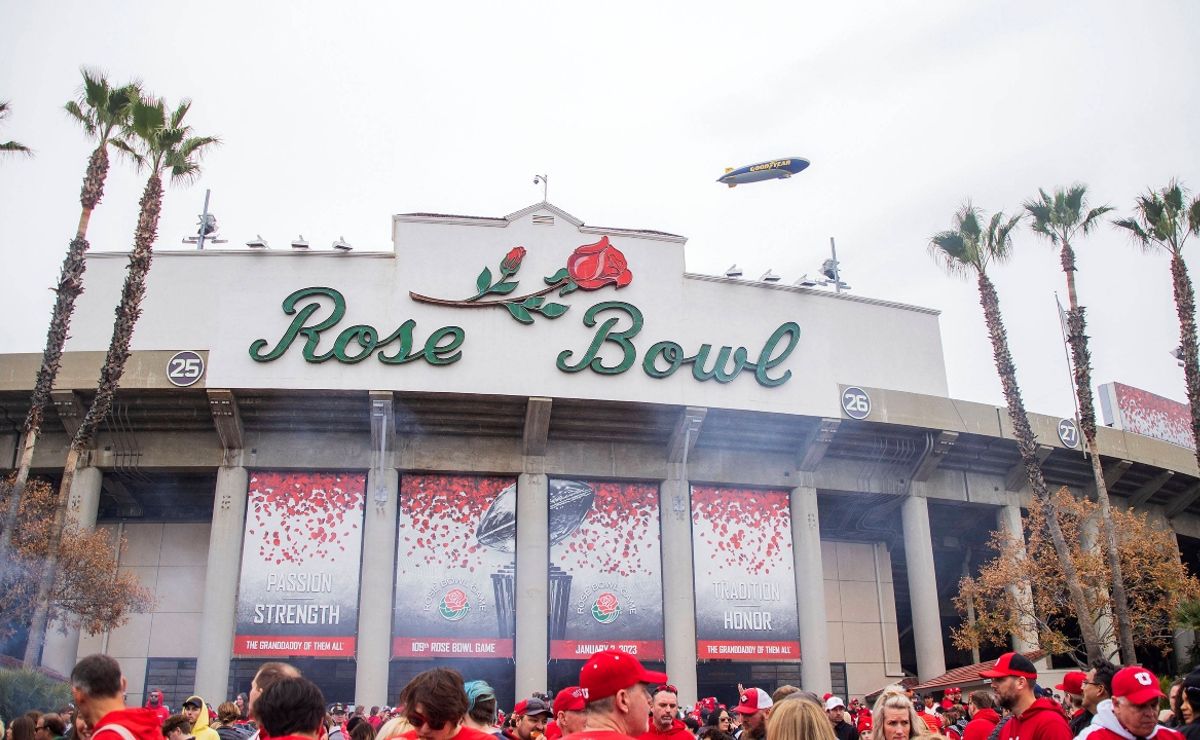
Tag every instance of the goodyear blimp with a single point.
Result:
(773, 170)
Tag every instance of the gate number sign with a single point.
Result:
(185, 368)
(1068, 432)
(856, 403)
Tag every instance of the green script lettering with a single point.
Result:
(356, 343)
(606, 334)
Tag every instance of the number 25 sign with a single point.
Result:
(185, 368)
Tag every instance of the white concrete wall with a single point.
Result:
(222, 301)
(860, 634)
(170, 560)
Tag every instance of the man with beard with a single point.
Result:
(664, 725)
(531, 722)
(1013, 677)
(1134, 714)
(754, 707)
(835, 709)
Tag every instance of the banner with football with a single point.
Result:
(455, 567)
(298, 589)
(605, 569)
(745, 587)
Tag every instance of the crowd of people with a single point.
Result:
(618, 698)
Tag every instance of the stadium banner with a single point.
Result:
(745, 588)
(605, 569)
(455, 567)
(298, 590)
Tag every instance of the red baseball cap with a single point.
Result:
(1136, 684)
(1072, 682)
(519, 707)
(1012, 664)
(570, 699)
(609, 671)
(754, 700)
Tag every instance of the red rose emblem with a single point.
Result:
(455, 599)
(512, 261)
(607, 603)
(592, 266)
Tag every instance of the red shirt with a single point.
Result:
(1160, 733)
(677, 731)
(1042, 720)
(142, 722)
(464, 733)
(597, 735)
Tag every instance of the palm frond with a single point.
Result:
(1136, 233)
(13, 146)
(74, 111)
(997, 242)
(95, 88)
(122, 146)
(1194, 216)
(178, 114)
(1073, 200)
(1093, 218)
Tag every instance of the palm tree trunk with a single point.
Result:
(1185, 306)
(128, 311)
(41, 612)
(1081, 357)
(70, 285)
(1027, 447)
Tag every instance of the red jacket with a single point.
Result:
(678, 731)
(1043, 720)
(981, 725)
(141, 722)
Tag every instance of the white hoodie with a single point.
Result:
(1106, 719)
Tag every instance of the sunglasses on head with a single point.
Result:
(666, 687)
(418, 721)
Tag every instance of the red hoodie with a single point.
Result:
(981, 725)
(1043, 720)
(677, 731)
(141, 722)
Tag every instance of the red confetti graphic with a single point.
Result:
(438, 517)
(610, 540)
(744, 528)
(302, 516)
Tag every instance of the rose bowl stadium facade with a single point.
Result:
(504, 443)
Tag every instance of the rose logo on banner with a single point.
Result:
(607, 608)
(590, 267)
(454, 605)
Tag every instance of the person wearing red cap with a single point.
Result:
(1134, 709)
(570, 713)
(617, 690)
(664, 725)
(1072, 686)
(754, 707)
(1013, 677)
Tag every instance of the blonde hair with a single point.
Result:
(393, 727)
(894, 697)
(797, 719)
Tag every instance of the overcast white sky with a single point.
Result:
(336, 115)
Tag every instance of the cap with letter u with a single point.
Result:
(1136, 684)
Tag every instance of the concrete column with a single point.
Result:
(679, 582)
(61, 649)
(1106, 624)
(532, 580)
(1183, 639)
(809, 572)
(219, 619)
(922, 588)
(1008, 518)
(375, 590)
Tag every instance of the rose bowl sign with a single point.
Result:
(591, 267)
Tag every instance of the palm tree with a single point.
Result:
(103, 112)
(11, 146)
(967, 250)
(165, 145)
(1164, 219)
(1059, 219)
